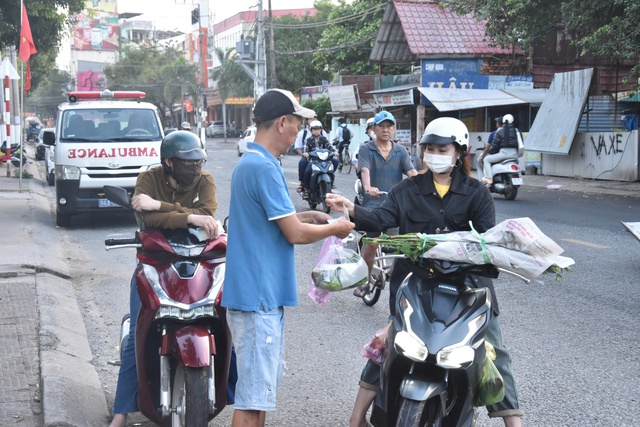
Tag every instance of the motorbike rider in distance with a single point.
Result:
(503, 146)
(177, 194)
(314, 142)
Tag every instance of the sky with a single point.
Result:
(175, 14)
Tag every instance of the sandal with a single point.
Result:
(361, 291)
(300, 188)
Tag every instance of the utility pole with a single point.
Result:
(260, 84)
(259, 71)
(272, 51)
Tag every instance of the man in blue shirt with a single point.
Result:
(260, 273)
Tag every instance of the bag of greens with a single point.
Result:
(491, 387)
(340, 268)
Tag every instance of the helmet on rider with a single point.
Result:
(315, 125)
(370, 122)
(185, 126)
(508, 118)
(447, 130)
(183, 145)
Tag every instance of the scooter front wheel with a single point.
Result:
(189, 397)
(414, 413)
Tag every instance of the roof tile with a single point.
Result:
(433, 30)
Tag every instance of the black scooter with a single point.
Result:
(435, 348)
(321, 178)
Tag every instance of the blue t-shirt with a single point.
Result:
(260, 271)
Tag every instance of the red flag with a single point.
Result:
(27, 78)
(27, 48)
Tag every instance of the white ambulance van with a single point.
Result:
(101, 138)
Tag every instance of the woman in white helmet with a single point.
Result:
(504, 146)
(442, 199)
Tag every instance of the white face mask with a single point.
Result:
(438, 163)
(372, 135)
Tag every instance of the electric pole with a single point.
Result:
(272, 51)
(260, 83)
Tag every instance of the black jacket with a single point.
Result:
(415, 206)
(505, 137)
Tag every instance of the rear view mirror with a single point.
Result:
(48, 137)
(118, 195)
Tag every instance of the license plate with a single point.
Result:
(106, 203)
(516, 181)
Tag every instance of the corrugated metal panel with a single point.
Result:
(557, 120)
(600, 115)
(466, 99)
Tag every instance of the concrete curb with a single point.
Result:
(71, 391)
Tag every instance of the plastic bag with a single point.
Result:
(376, 349)
(340, 268)
(491, 386)
(320, 296)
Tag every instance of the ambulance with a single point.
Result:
(101, 138)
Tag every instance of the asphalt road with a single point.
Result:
(574, 345)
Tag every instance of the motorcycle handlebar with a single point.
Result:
(121, 243)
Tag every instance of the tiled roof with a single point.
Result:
(433, 30)
(413, 29)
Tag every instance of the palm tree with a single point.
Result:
(224, 76)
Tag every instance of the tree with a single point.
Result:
(346, 42)
(608, 29)
(48, 23)
(162, 73)
(296, 40)
(231, 80)
(44, 100)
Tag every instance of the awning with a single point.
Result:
(632, 97)
(467, 99)
(394, 96)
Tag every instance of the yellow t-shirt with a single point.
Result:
(441, 189)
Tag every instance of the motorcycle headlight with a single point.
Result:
(331, 167)
(315, 168)
(455, 357)
(406, 342)
(461, 354)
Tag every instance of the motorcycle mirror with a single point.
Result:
(117, 195)
(357, 187)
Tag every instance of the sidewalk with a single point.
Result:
(46, 375)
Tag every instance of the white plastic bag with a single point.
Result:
(340, 268)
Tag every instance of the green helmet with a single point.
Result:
(183, 145)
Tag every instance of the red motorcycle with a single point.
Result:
(183, 344)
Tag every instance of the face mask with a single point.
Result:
(438, 163)
(372, 135)
(185, 175)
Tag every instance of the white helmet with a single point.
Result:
(446, 130)
(508, 118)
(315, 124)
(370, 122)
(185, 126)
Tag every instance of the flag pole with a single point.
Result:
(20, 118)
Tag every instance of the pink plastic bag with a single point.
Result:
(376, 349)
(320, 296)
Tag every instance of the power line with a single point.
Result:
(340, 20)
(328, 49)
